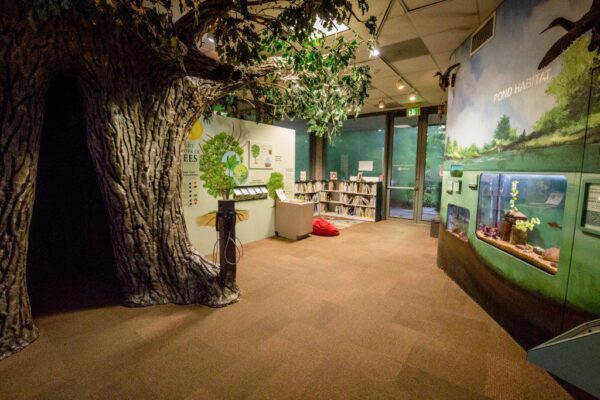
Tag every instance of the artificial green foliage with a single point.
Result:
(213, 171)
(302, 74)
(275, 182)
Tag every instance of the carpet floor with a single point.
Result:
(364, 315)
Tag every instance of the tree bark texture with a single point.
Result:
(137, 114)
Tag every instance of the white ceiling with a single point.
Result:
(420, 35)
(441, 26)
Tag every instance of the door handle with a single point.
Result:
(404, 187)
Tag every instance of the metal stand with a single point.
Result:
(226, 218)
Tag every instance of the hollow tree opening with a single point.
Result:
(70, 263)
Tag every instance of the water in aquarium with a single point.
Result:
(458, 221)
(523, 214)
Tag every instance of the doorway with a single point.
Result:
(70, 263)
(415, 167)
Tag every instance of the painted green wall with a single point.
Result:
(513, 118)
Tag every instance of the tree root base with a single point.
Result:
(10, 346)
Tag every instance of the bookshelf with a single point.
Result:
(346, 199)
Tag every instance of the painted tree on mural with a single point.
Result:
(565, 123)
(144, 81)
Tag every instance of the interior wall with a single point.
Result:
(505, 115)
(261, 222)
(70, 262)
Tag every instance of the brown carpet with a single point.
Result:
(365, 315)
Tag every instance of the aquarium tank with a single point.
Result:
(522, 215)
(457, 222)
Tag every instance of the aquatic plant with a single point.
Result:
(527, 225)
(514, 195)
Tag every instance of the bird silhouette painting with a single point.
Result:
(575, 29)
(444, 81)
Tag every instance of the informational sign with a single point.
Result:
(413, 111)
(365, 165)
(191, 159)
(260, 155)
(592, 209)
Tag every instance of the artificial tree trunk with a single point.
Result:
(137, 116)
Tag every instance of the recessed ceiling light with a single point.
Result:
(381, 104)
(336, 28)
(400, 84)
(412, 97)
(374, 52)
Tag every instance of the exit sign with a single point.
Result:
(413, 111)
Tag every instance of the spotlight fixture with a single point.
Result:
(400, 84)
(412, 96)
(381, 104)
(374, 52)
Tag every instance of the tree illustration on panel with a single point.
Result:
(145, 79)
(255, 149)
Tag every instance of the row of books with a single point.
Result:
(313, 197)
(308, 187)
(348, 210)
(358, 200)
(358, 187)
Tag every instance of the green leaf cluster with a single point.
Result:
(275, 182)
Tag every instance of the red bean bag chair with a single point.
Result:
(323, 227)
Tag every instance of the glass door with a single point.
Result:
(434, 160)
(402, 185)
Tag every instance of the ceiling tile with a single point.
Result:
(422, 78)
(444, 16)
(397, 29)
(412, 5)
(415, 64)
(486, 7)
(448, 40)
(442, 59)
(379, 69)
(404, 50)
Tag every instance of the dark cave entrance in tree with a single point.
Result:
(70, 263)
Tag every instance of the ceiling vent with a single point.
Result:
(483, 34)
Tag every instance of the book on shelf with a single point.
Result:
(344, 198)
(308, 187)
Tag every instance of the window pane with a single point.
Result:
(402, 203)
(362, 139)
(434, 159)
(404, 152)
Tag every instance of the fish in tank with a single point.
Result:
(457, 222)
(522, 215)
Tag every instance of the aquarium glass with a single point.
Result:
(523, 215)
(458, 221)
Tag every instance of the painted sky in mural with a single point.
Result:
(502, 77)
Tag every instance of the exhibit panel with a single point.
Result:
(264, 151)
(515, 189)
